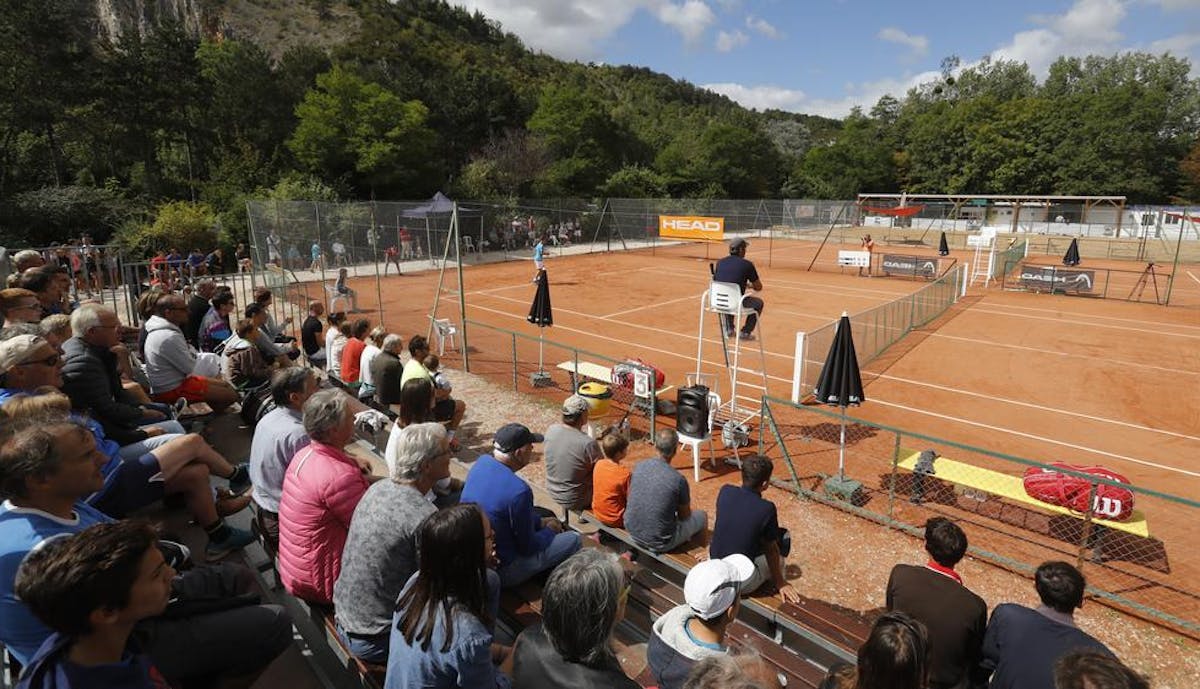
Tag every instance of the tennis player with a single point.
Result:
(539, 257)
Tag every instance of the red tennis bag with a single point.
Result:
(1072, 492)
(622, 373)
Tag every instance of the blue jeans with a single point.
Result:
(171, 430)
(526, 567)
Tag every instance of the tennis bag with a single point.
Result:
(622, 373)
(1072, 492)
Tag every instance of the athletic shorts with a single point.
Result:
(443, 410)
(192, 389)
(134, 484)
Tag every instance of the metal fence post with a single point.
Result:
(516, 385)
(891, 513)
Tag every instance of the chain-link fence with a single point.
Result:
(1152, 284)
(1136, 546)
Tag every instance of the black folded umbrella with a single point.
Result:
(840, 383)
(943, 247)
(540, 313)
(1071, 258)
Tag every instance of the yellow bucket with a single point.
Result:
(598, 396)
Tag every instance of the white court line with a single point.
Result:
(1120, 362)
(1039, 407)
(1090, 315)
(694, 297)
(976, 309)
(1031, 436)
(1192, 276)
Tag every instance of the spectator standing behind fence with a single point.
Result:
(386, 370)
(570, 456)
(441, 633)
(582, 603)
(215, 261)
(696, 630)
(954, 616)
(381, 549)
(1022, 644)
(242, 255)
(391, 256)
(317, 264)
(748, 524)
(310, 334)
(339, 253)
(321, 488)
(278, 436)
(406, 244)
(659, 512)
(610, 480)
(374, 346)
(526, 545)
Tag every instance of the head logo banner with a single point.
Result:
(691, 227)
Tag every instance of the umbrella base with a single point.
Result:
(846, 489)
(541, 379)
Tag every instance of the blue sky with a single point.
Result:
(825, 56)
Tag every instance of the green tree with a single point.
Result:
(634, 182)
(179, 224)
(580, 135)
(858, 161)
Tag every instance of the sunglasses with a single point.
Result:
(52, 360)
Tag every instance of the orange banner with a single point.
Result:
(691, 227)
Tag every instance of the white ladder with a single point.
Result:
(984, 258)
(725, 299)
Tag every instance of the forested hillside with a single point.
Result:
(107, 129)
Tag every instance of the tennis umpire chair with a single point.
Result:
(726, 299)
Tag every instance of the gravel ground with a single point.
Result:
(828, 543)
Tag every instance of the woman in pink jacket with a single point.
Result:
(321, 488)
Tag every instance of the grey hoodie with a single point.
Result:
(169, 358)
(671, 652)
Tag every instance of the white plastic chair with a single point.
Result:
(334, 297)
(469, 243)
(694, 442)
(726, 298)
(445, 330)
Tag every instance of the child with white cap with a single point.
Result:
(689, 633)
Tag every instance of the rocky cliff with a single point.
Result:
(119, 17)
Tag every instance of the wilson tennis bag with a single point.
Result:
(622, 373)
(1073, 492)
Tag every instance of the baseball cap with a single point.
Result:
(18, 350)
(513, 436)
(712, 586)
(737, 243)
(574, 406)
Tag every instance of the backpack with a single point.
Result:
(1072, 492)
(622, 373)
(256, 403)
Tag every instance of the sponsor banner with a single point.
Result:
(1055, 279)
(903, 264)
(691, 227)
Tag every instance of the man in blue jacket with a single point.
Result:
(526, 545)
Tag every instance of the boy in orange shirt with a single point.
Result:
(610, 480)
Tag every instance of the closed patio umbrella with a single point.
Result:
(541, 315)
(1071, 258)
(943, 247)
(840, 383)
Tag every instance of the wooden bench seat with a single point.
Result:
(587, 369)
(370, 674)
(1010, 488)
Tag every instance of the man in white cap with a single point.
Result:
(689, 633)
(570, 456)
(737, 269)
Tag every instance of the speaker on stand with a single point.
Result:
(691, 413)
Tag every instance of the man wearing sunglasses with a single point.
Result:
(28, 362)
(689, 633)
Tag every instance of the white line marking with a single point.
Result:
(651, 306)
(1039, 407)
(1092, 325)
(1121, 362)
(1192, 276)
(1036, 437)
(1088, 315)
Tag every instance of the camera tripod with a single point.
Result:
(1148, 276)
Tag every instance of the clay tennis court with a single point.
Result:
(1041, 377)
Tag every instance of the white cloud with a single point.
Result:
(1089, 27)
(919, 45)
(762, 26)
(690, 18)
(1180, 44)
(728, 41)
(1173, 5)
(864, 95)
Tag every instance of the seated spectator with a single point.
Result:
(278, 436)
(441, 381)
(374, 347)
(19, 306)
(416, 406)
(336, 338)
(525, 544)
(310, 333)
(386, 370)
(610, 480)
(659, 512)
(570, 456)
(1091, 670)
(49, 289)
(25, 259)
(1021, 645)
(582, 603)
(272, 352)
(244, 366)
(215, 327)
(448, 411)
(321, 488)
(440, 635)
(195, 263)
(275, 331)
(215, 261)
(198, 306)
(91, 378)
(692, 632)
(748, 524)
(171, 363)
(344, 290)
(45, 470)
(91, 589)
(733, 671)
(381, 549)
(934, 594)
(180, 466)
(56, 329)
(352, 352)
(895, 654)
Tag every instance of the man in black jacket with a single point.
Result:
(197, 307)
